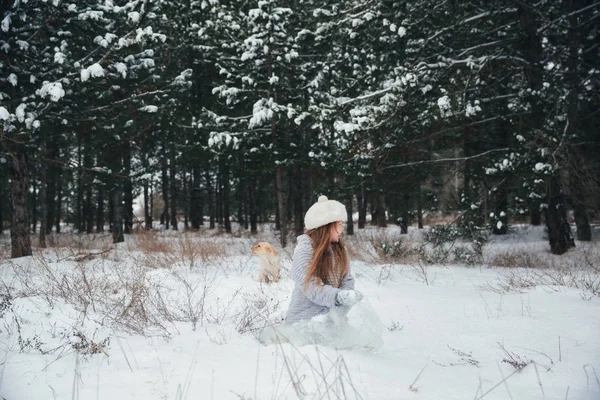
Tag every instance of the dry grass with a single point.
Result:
(77, 242)
(579, 269)
(382, 247)
(519, 259)
(149, 242)
(185, 248)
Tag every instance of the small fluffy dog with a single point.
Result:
(270, 264)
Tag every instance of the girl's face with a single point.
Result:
(336, 230)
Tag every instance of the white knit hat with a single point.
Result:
(323, 212)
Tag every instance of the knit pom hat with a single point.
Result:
(323, 212)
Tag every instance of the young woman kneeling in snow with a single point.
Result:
(320, 266)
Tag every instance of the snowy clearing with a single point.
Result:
(177, 316)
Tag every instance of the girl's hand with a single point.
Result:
(348, 297)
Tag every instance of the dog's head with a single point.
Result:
(263, 248)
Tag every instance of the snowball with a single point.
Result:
(499, 225)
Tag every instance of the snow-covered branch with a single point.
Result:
(441, 160)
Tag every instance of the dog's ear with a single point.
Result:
(269, 249)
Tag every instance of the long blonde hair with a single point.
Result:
(321, 268)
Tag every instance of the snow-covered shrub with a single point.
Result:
(438, 235)
(449, 243)
(392, 247)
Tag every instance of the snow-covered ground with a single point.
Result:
(177, 316)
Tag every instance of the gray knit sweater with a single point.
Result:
(317, 299)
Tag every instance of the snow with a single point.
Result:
(12, 79)
(20, 112)
(444, 106)
(93, 71)
(134, 17)
(4, 114)
(54, 90)
(149, 109)
(59, 57)
(121, 69)
(441, 332)
(5, 25)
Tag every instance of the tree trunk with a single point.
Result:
(186, 205)
(298, 190)
(226, 193)
(164, 218)
(281, 206)
(111, 209)
(252, 206)
(127, 188)
(531, 47)
(87, 203)
(536, 215)
(147, 211)
(211, 199)
(362, 206)
(59, 189)
(19, 232)
(381, 218)
(100, 210)
(277, 216)
(34, 202)
(79, 224)
(584, 231)
(559, 231)
(240, 198)
(349, 212)
(500, 222)
(219, 197)
(419, 206)
(405, 215)
(116, 201)
(172, 172)
(43, 206)
(50, 187)
(576, 175)
(195, 211)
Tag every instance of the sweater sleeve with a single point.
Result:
(348, 281)
(323, 295)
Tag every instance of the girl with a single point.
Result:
(320, 264)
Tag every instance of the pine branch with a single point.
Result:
(445, 159)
